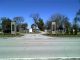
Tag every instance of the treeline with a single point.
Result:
(6, 24)
(62, 23)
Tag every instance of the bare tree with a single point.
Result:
(38, 21)
(35, 17)
(76, 20)
(19, 20)
(61, 22)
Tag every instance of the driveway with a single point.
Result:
(39, 46)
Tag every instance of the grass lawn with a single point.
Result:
(62, 35)
(10, 35)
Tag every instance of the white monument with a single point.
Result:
(53, 27)
(30, 30)
(13, 27)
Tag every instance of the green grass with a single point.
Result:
(10, 35)
(62, 35)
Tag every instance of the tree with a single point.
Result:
(35, 17)
(62, 22)
(59, 19)
(33, 26)
(40, 24)
(48, 25)
(75, 25)
(6, 25)
(76, 20)
(19, 21)
(24, 26)
(38, 21)
(67, 25)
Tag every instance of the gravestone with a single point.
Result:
(53, 27)
(13, 27)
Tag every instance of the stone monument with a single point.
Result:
(53, 27)
(13, 27)
(30, 30)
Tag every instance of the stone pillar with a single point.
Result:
(13, 27)
(53, 27)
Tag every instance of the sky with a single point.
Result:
(45, 8)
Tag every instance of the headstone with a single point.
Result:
(53, 27)
(13, 27)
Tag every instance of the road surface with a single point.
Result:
(39, 46)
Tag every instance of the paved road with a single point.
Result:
(39, 46)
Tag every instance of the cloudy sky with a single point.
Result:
(12, 8)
